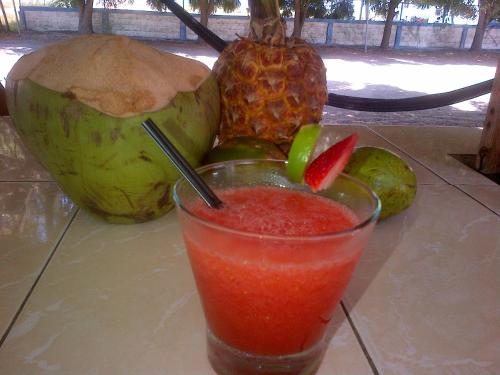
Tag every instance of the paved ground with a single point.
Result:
(350, 71)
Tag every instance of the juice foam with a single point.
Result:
(276, 211)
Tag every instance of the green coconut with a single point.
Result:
(78, 106)
(389, 176)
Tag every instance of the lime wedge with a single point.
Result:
(301, 151)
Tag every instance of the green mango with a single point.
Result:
(244, 148)
(390, 177)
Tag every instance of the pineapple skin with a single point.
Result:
(267, 91)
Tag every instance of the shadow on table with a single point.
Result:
(385, 239)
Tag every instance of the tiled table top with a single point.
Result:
(79, 296)
(16, 163)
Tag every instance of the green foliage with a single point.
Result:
(108, 4)
(336, 9)
(228, 6)
(341, 10)
(463, 8)
(493, 7)
(379, 7)
(312, 7)
(65, 3)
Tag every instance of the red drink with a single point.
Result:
(281, 305)
(272, 264)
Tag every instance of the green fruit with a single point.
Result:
(105, 162)
(301, 151)
(387, 174)
(244, 148)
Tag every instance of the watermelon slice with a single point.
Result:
(323, 170)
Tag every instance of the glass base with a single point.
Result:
(227, 360)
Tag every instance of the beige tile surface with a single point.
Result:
(425, 297)
(16, 162)
(121, 300)
(367, 137)
(487, 195)
(432, 146)
(32, 219)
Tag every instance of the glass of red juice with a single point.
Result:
(271, 264)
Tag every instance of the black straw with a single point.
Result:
(182, 165)
(203, 32)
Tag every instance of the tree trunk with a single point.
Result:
(3, 102)
(85, 20)
(488, 158)
(297, 25)
(81, 7)
(484, 18)
(204, 12)
(393, 4)
(300, 9)
(7, 28)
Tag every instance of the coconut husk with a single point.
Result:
(113, 74)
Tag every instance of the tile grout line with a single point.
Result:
(371, 363)
(30, 292)
(474, 198)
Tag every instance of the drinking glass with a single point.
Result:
(268, 299)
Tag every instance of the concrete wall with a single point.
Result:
(432, 36)
(491, 38)
(148, 25)
(228, 28)
(353, 33)
(47, 20)
(151, 24)
(313, 32)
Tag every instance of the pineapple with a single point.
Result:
(270, 85)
